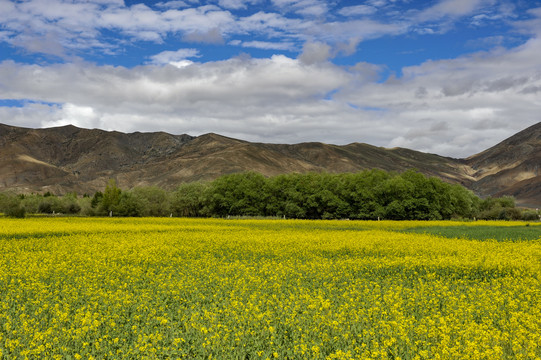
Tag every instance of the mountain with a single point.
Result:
(511, 168)
(68, 158)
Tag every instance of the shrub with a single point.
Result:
(530, 215)
(14, 208)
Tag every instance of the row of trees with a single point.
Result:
(373, 194)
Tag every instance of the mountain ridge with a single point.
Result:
(67, 158)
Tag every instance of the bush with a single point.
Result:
(530, 215)
(501, 213)
(45, 207)
(511, 214)
(13, 208)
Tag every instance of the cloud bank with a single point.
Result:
(455, 107)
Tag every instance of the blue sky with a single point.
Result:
(452, 77)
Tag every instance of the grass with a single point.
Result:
(498, 233)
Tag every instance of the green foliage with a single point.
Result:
(129, 205)
(366, 195)
(241, 194)
(111, 197)
(150, 201)
(188, 200)
(96, 199)
(12, 207)
(499, 209)
(50, 204)
(70, 204)
(530, 215)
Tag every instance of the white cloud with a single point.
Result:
(313, 10)
(197, 95)
(530, 26)
(489, 41)
(54, 26)
(212, 36)
(452, 107)
(485, 89)
(176, 58)
(449, 8)
(81, 116)
(30, 115)
(176, 4)
(237, 4)
(266, 45)
(377, 3)
(347, 48)
(273, 25)
(232, 4)
(315, 52)
(67, 28)
(303, 7)
(357, 10)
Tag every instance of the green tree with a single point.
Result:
(129, 205)
(189, 199)
(96, 199)
(237, 194)
(111, 197)
(284, 198)
(13, 207)
(152, 200)
(463, 202)
(69, 204)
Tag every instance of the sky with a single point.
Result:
(451, 77)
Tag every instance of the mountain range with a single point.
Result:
(66, 159)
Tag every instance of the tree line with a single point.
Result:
(366, 195)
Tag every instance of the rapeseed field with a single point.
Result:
(107, 288)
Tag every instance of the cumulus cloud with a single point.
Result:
(65, 28)
(485, 88)
(54, 26)
(274, 25)
(530, 26)
(219, 96)
(365, 29)
(49, 43)
(454, 107)
(212, 36)
(70, 114)
(315, 52)
(176, 58)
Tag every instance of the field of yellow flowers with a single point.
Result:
(107, 288)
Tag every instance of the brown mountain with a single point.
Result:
(511, 168)
(72, 159)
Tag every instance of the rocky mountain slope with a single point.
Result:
(511, 167)
(72, 159)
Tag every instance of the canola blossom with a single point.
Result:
(107, 288)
